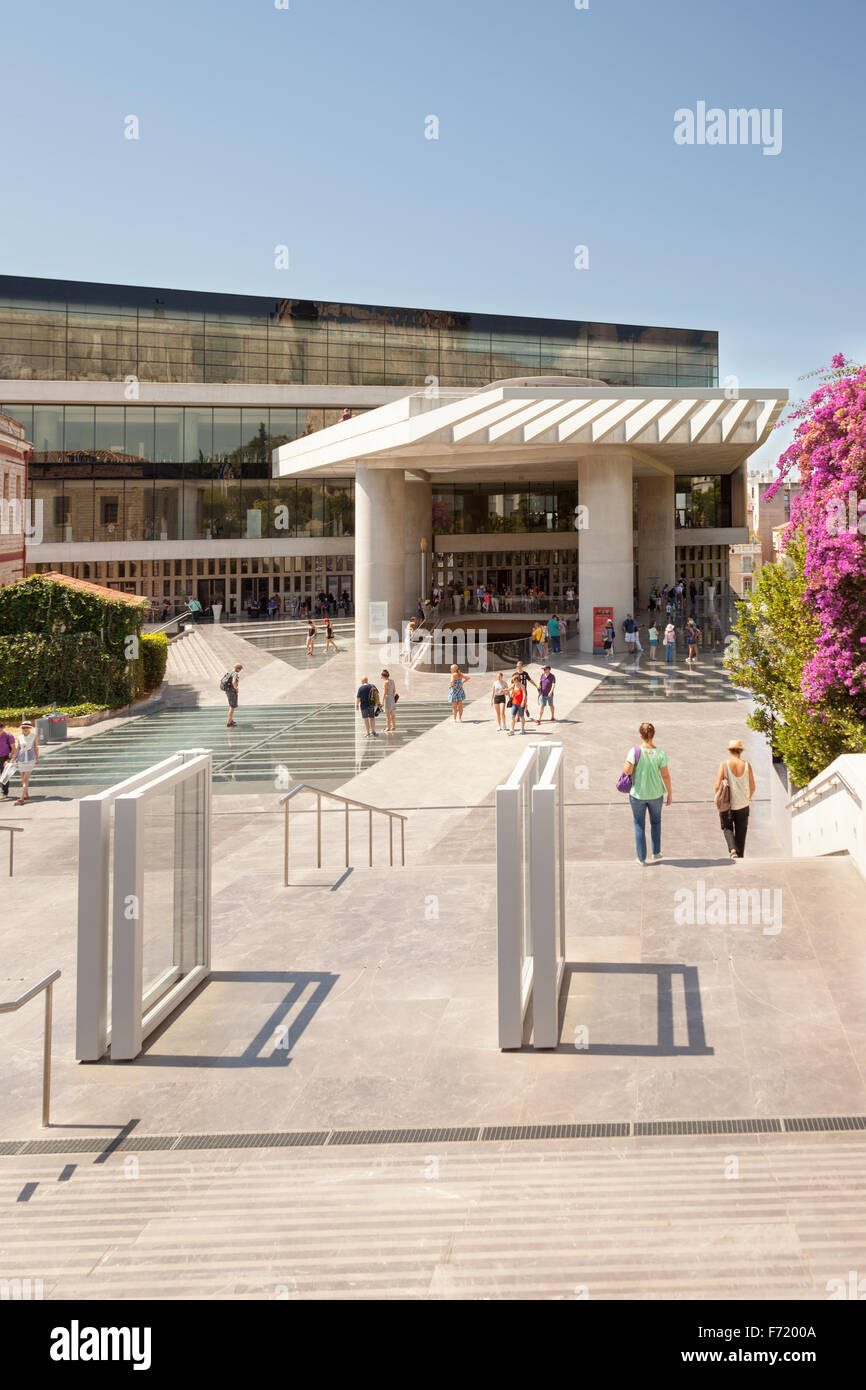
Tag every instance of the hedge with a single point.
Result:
(18, 712)
(43, 606)
(154, 652)
(36, 669)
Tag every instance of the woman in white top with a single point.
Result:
(735, 822)
(497, 699)
(26, 758)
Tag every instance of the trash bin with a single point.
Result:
(42, 730)
(57, 724)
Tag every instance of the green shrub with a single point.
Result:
(38, 669)
(43, 606)
(154, 652)
(17, 712)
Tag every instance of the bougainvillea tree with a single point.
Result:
(802, 634)
(829, 449)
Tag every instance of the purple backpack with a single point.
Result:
(624, 781)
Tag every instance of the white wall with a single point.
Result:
(834, 821)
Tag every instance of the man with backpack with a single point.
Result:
(229, 687)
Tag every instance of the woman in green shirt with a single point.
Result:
(650, 781)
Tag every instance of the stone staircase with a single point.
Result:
(586, 1219)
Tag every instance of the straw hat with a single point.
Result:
(735, 745)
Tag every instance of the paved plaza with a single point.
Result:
(356, 1007)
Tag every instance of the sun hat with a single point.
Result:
(735, 745)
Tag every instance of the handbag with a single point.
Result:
(722, 798)
(624, 782)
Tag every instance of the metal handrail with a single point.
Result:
(824, 779)
(13, 831)
(171, 622)
(47, 984)
(348, 802)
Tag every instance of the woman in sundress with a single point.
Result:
(389, 701)
(456, 693)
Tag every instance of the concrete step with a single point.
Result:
(599, 1219)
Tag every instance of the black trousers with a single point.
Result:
(734, 827)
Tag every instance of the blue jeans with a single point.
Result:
(639, 809)
(669, 657)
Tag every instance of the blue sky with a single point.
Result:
(306, 127)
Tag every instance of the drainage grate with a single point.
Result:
(404, 1136)
(286, 1140)
(467, 1134)
(645, 1127)
(825, 1122)
(147, 1141)
(65, 1146)
(599, 1131)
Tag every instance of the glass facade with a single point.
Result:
(57, 330)
(133, 473)
(484, 507)
(513, 574)
(703, 501)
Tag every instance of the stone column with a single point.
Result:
(605, 554)
(418, 525)
(656, 551)
(380, 560)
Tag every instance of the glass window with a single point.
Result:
(139, 431)
(78, 429)
(168, 434)
(47, 430)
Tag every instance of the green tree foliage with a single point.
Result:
(774, 637)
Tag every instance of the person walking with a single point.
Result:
(653, 640)
(389, 701)
(195, 609)
(693, 637)
(26, 758)
(648, 768)
(497, 699)
(229, 685)
(670, 643)
(538, 640)
(366, 701)
(554, 629)
(329, 636)
(545, 694)
(741, 779)
(717, 632)
(609, 638)
(517, 704)
(311, 637)
(8, 745)
(456, 694)
(525, 681)
(629, 627)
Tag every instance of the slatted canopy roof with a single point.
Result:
(514, 430)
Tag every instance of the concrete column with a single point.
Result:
(418, 525)
(605, 555)
(380, 560)
(656, 552)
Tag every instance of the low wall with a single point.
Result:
(833, 819)
(781, 791)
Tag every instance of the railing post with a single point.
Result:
(318, 830)
(46, 1058)
(347, 834)
(286, 856)
(403, 842)
(370, 813)
(391, 841)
